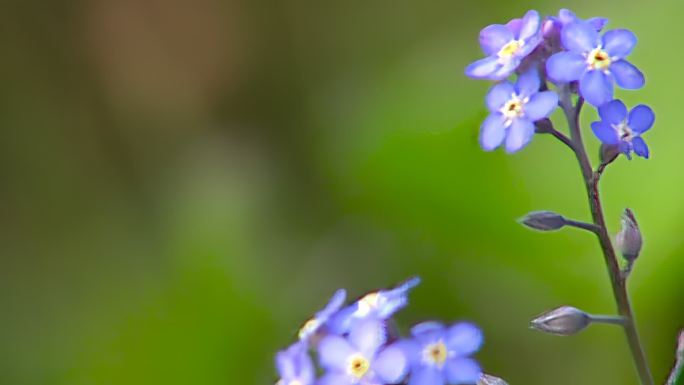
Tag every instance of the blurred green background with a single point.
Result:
(183, 182)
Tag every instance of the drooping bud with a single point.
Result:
(487, 379)
(562, 321)
(543, 126)
(543, 220)
(628, 240)
(608, 153)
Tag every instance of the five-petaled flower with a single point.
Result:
(513, 111)
(361, 357)
(380, 304)
(295, 366)
(596, 62)
(506, 46)
(619, 128)
(440, 354)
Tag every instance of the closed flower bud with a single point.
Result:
(486, 379)
(543, 126)
(628, 240)
(543, 220)
(562, 321)
(608, 153)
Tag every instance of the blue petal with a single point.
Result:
(605, 133)
(627, 75)
(613, 112)
(492, 132)
(640, 147)
(579, 37)
(541, 105)
(519, 135)
(598, 22)
(334, 351)
(464, 339)
(566, 16)
(368, 335)
(426, 375)
(335, 379)
(427, 332)
(625, 148)
(391, 365)
(641, 118)
(530, 25)
(596, 87)
(463, 371)
(565, 67)
(285, 364)
(484, 68)
(412, 350)
(528, 83)
(341, 322)
(494, 37)
(619, 42)
(506, 69)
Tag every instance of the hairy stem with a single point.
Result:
(678, 369)
(618, 284)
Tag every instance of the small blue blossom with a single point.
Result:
(619, 128)
(513, 111)
(312, 325)
(381, 304)
(439, 355)
(506, 46)
(295, 366)
(595, 61)
(361, 357)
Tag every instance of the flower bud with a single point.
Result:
(543, 220)
(543, 126)
(486, 379)
(608, 153)
(628, 240)
(562, 321)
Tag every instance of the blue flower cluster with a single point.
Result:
(356, 344)
(574, 56)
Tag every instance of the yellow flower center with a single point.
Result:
(510, 49)
(598, 59)
(435, 353)
(368, 303)
(514, 107)
(309, 327)
(624, 131)
(358, 366)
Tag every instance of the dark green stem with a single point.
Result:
(618, 284)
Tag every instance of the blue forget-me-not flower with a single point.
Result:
(513, 110)
(506, 46)
(361, 357)
(618, 127)
(595, 61)
(440, 355)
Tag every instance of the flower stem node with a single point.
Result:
(543, 220)
(562, 321)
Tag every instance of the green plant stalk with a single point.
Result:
(618, 283)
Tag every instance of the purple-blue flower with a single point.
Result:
(618, 127)
(361, 357)
(381, 304)
(312, 325)
(295, 366)
(440, 355)
(506, 46)
(595, 61)
(513, 111)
